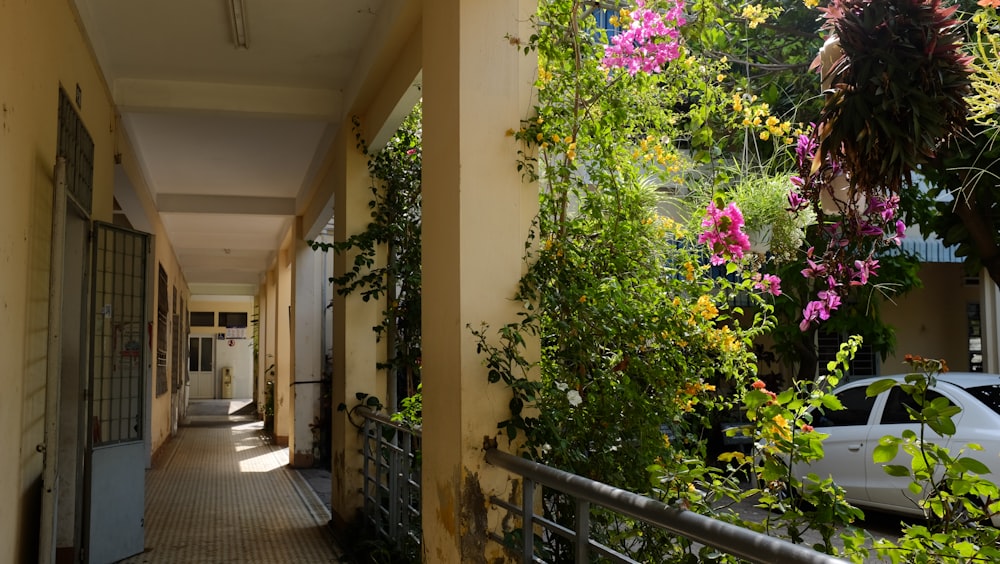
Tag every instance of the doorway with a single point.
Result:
(72, 412)
(201, 367)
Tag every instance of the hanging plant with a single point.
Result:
(896, 89)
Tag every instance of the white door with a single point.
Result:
(116, 473)
(200, 366)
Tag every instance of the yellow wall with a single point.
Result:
(160, 422)
(931, 321)
(41, 48)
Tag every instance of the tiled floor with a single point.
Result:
(221, 493)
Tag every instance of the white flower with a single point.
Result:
(574, 398)
(561, 386)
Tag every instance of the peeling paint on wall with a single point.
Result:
(474, 532)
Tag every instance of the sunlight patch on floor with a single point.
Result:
(266, 462)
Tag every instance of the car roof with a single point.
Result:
(964, 380)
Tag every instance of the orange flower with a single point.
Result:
(989, 3)
(759, 385)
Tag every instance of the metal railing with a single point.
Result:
(725, 537)
(391, 479)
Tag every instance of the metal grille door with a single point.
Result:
(118, 351)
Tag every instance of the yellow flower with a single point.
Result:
(688, 271)
(756, 121)
(765, 135)
(720, 77)
(811, 3)
(737, 103)
(706, 308)
(583, 299)
(772, 121)
(555, 138)
(539, 137)
(510, 133)
(755, 15)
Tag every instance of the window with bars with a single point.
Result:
(162, 317)
(865, 361)
(118, 335)
(74, 143)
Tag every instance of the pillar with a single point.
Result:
(989, 319)
(476, 213)
(308, 348)
(284, 358)
(355, 350)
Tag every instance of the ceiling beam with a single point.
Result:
(134, 94)
(230, 205)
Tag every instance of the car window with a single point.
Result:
(895, 410)
(989, 395)
(857, 408)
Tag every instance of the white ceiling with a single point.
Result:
(229, 138)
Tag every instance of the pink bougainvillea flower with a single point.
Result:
(648, 43)
(767, 283)
(724, 233)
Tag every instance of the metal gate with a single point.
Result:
(117, 376)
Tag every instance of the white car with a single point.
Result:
(855, 432)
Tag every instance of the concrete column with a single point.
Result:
(306, 333)
(285, 358)
(476, 212)
(355, 351)
(989, 310)
(270, 341)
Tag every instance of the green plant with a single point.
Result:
(395, 227)
(781, 425)
(411, 409)
(956, 498)
(897, 90)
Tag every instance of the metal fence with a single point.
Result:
(392, 479)
(725, 537)
(392, 505)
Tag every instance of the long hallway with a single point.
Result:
(221, 492)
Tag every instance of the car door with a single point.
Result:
(892, 492)
(845, 448)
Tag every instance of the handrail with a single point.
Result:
(388, 422)
(726, 537)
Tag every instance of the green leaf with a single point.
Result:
(972, 465)
(896, 470)
(885, 453)
(877, 387)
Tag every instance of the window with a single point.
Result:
(989, 395)
(232, 319)
(895, 408)
(200, 354)
(857, 408)
(864, 364)
(162, 317)
(202, 319)
(75, 144)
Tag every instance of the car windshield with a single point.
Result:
(989, 395)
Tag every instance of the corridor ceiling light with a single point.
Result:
(238, 17)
